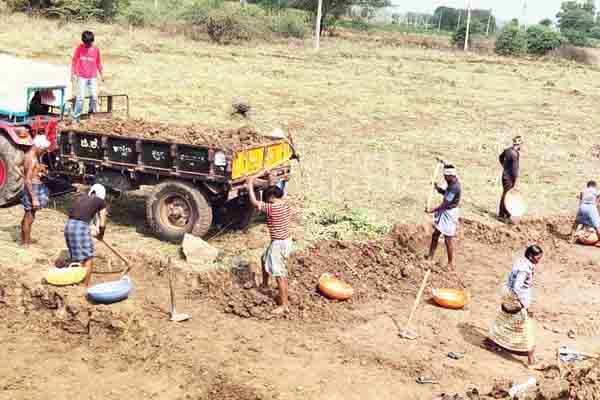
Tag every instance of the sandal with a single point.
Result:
(424, 380)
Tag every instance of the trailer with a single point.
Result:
(189, 184)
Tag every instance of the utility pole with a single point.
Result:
(458, 23)
(318, 25)
(487, 30)
(524, 14)
(440, 21)
(468, 26)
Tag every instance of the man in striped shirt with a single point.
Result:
(274, 260)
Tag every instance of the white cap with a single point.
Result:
(98, 190)
(277, 133)
(41, 142)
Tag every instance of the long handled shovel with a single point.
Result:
(407, 333)
(175, 316)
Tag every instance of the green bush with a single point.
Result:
(358, 24)
(289, 25)
(542, 40)
(196, 13)
(595, 32)
(138, 13)
(511, 41)
(576, 38)
(228, 24)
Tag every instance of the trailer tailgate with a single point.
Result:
(252, 160)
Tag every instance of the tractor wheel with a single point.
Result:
(10, 182)
(175, 208)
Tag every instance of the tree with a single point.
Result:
(448, 17)
(511, 41)
(459, 37)
(546, 22)
(576, 17)
(336, 8)
(542, 40)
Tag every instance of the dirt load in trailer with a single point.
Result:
(198, 174)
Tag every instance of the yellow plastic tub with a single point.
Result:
(65, 276)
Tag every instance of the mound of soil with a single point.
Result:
(192, 134)
(375, 269)
(527, 231)
(584, 382)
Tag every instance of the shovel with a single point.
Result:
(175, 316)
(127, 265)
(407, 333)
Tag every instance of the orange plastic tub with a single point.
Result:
(334, 288)
(450, 298)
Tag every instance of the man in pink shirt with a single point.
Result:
(85, 67)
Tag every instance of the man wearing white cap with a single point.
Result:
(78, 231)
(446, 215)
(35, 195)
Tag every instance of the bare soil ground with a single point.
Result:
(368, 120)
(234, 349)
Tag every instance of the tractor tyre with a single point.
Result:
(10, 182)
(175, 208)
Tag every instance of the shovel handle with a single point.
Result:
(412, 313)
(171, 291)
(433, 179)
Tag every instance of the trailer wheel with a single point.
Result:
(10, 182)
(175, 208)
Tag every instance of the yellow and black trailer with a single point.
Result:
(192, 188)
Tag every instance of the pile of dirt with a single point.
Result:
(527, 231)
(191, 134)
(375, 269)
(584, 381)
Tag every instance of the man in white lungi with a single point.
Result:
(446, 215)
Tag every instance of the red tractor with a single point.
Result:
(16, 135)
(32, 100)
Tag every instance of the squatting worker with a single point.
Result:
(587, 214)
(510, 174)
(78, 232)
(513, 328)
(35, 195)
(86, 65)
(446, 215)
(274, 260)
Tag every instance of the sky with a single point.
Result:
(503, 9)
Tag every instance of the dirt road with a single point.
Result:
(59, 346)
